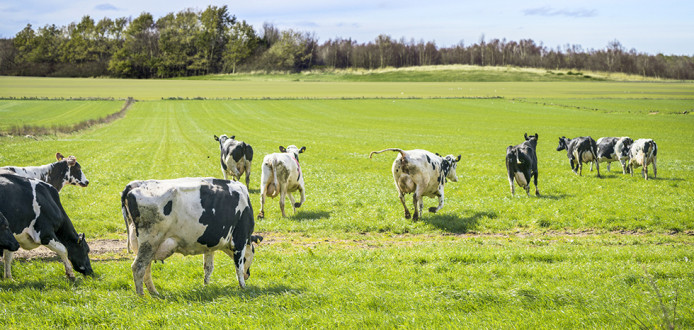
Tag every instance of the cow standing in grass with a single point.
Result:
(188, 216)
(64, 171)
(521, 164)
(580, 150)
(281, 175)
(236, 157)
(643, 152)
(621, 149)
(36, 217)
(421, 173)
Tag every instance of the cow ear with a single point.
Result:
(526, 136)
(282, 149)
(59, 156)
(233, 137)
(437, 154)
(216, 138)
(536, 136)
(80, 238)
(256, 239)
(457, 159)
(302, 150)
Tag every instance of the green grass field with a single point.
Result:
(589, 252)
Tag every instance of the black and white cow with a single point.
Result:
(580, 150)
(58, 174)
(281, 175)
(521, 164)
(643, 152)
(421, 173)
(236, 157)
(188, 216)
(36, 217)
(7, 240)
(621, 149)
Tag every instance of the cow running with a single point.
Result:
(236, 157)
(421, 173)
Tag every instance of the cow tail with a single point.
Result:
(274, 176)
(124, 208)
(402, 152)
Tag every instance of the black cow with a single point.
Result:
(58, 174)
(580, 150)
(521, 164)
(36, 217)
(7, 240)
(236, 157)
(188, 216)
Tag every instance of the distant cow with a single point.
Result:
(521, 164)
(281, 175)
(58, 174)
(642, 153)
(580, 150)
(236, 157)
(188, 216)
(7, 240)
(422, 173)
(621, 149)
(36, 217)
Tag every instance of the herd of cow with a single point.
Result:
(203, 215)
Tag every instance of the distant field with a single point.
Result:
(589, 252)
(53, 113)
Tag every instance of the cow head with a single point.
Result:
(563, 143)
(78, 254)
(448, 165)
(250, 252)
(7, 240)
(294, 150)
(74, 174)
(532, 139)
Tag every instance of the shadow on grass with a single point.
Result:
(310, 215)
(15, 285)
(253, 191)
(454, 223)
(213, 292)
(554, 196)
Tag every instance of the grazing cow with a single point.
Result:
(36, 217)
(281, 175)
(188, 216)
(422, 173)
(236, 157)
(642, 153)
(7, 240)
(521, 164)
(58, 174)
(621, 149)
(580, 150)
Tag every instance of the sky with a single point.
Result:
(652, 27)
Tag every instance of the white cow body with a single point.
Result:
(643, 152)
(282, 175)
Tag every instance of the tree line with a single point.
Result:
(214, 41)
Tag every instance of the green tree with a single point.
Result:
(242, 41)
(138, 56)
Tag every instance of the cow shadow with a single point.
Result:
(555, 197)
(310, 215)
(20, 286)
(213, 292)
(253, 191)
(454, 223)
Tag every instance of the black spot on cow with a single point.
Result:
(11, 169)
(428, 159)
(219, 211)
(167, 208)
(237, 152)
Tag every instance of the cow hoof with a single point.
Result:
(432, 210)
(261, 215)
(297, 205)
(407, 216)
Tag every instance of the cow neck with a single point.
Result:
(55, 174)
(297, 164)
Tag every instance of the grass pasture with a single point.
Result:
(589, 252)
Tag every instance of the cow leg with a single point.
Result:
(402, 200)
(248, 175)
(261, 214)
(597, 167)
(7, 259)
(440, 206)
(510, 182)
(226, 176)
(655, 169)
(142, 266)
(608, 166)
(418, 202)
(61, 251)
(302, 199)
(537, 192)
(208, 259)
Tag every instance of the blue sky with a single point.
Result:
(647, 26)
